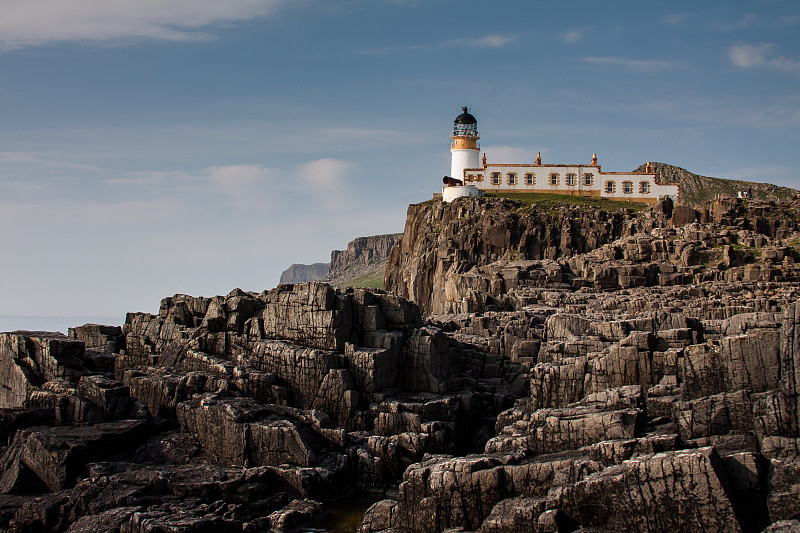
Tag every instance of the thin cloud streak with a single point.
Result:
(35, 159)
(647, 65)
(489, 41)
(37, 22)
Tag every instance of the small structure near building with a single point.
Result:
(454, 188)
(468, 167)
(746, 194)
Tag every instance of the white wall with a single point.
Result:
(542, 181)
(461, 159)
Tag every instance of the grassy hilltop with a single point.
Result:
(696, 189)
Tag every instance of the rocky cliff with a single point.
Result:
(660, 351)
(234, 413)
(481, 254)
(696, 189)
(578, 370)
(363, 256)
(299, 273)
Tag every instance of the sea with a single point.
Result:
(54, 323)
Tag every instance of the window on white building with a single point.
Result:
(627, 187)
(512, 178)
(529, 179)
(571, 179)
(495, 178)
(588, 179)
(609, 187)
(554, 179)
(644, 187)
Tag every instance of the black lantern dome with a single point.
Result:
(465, 124)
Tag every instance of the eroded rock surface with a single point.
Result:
(581, 371)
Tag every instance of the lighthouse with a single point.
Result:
(464, 150)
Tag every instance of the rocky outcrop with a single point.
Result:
(306, 393)
(630, 374)
(364, 255)
(299, 273)
(482, 254)
(660, 364)
(363, 250)
(696, 189)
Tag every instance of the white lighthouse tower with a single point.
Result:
(464, 150)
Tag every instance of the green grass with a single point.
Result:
(550, 201)
(370, 280)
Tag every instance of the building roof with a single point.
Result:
(465, 117)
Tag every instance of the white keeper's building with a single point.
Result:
(570, 179)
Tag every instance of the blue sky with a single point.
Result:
(192, 146)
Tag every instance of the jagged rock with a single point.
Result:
(614, 372)
(671, 491)
(29, 359)
(784, 526)
(12, 420)
(298, 512)
(95, 336)
(719, 414)
(784, 495)
(363, 255)
(556, 430)
(56, 456)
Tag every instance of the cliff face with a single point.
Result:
(299, 273)
(365, 257)
(477, 254)
(442, 240)
(662, 363)
(363, 250)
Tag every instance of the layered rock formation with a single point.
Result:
(299, 273)
(481, 254)
(565, 370)
(241, 412)
(660, 350)
(363, 255)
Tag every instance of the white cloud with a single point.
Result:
(238, 179)
(36, 22)
(490, 41)
(648, 65)
(571, 36)
(325, 175)
(749, 55)
(759, 56)
(509, 154)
